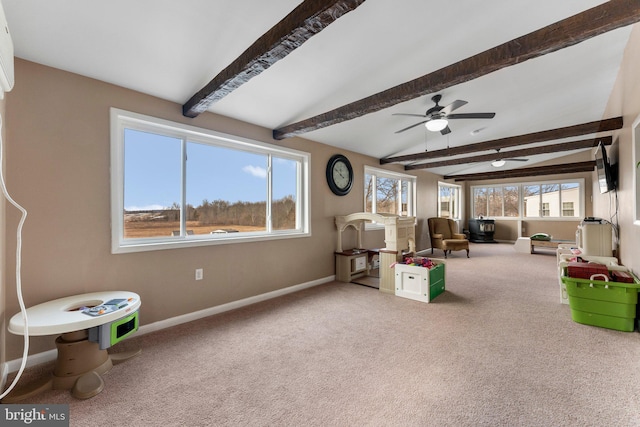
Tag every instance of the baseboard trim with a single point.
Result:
(47, 356)
(424, 252)
(178, 320)
(32, 360)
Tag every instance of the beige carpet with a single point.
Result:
(496, 349)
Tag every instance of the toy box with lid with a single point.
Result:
(597, 301)
(420, 283)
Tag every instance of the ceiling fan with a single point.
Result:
(437, 117)
(499, 162)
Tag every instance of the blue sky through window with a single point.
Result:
(153, 173)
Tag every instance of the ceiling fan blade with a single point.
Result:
(516, 160)
(445, 130)
(412, 126)
(407, 114)
(453, 106)
(472, 116)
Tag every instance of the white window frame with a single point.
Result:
(635, 127)
(458, 203)
(121, 120)
(581, 199)
(383, 173)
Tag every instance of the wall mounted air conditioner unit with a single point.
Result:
(6, 55)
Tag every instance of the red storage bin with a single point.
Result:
(621, 277)
(584, 270)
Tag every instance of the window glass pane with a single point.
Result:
(446, 204)
(551, 200)
(227, 189)
(152, 174)
(455, 203)
(368, 192)
(570, 197)
(495, 201)
(511, 201)
(449, 201)
(480, 202)
(567, 209)
(283, 204)
(531, 197)
(404, 197)
(387, 195)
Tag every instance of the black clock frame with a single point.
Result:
(332, 185)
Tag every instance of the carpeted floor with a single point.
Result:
(496, 349)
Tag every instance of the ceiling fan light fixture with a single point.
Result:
(498, 163)
(436, 125)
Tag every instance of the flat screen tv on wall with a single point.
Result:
(606, 173)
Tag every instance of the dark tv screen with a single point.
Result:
(605, 175)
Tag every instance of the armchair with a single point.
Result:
(442, 232)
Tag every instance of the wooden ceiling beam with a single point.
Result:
(608, 16)
(306, 20)
(512, 141)
(587, 166)
(555, 148)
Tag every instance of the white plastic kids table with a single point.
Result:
(80, 362)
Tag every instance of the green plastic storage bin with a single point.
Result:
(609, 305)
(436, 281)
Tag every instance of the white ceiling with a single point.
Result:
(171, 49)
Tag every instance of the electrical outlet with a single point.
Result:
(199, 274)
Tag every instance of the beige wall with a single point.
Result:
(58, 168)
(625, 102)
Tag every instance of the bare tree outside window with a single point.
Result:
(388, 192)
(480, 201)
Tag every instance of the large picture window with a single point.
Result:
(530, 200)
(175, 185)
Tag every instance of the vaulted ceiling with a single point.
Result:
(339, 72)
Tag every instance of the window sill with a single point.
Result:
(196, 241)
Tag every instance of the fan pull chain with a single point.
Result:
(426, 135)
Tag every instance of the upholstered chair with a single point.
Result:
(444, 236)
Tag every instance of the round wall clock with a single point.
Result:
(339, 175)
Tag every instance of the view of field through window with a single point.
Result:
(223, 190)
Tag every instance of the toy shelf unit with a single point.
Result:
(399, 236)
(420, 283)
(481, 230)
(352, 264)
(597, 301)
